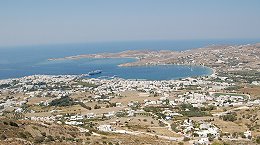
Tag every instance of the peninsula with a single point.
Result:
(224, 58)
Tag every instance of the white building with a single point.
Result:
(105, 128)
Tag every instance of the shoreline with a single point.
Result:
(220, 59)
(210, 72)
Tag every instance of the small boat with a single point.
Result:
(95, 72)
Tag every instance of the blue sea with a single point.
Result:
(30, 60)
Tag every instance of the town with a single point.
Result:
(195, 110)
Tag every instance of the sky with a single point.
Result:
(29, 22)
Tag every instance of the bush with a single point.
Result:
(97, 107)
(84, 105)
(258, 140)
(174, 127)
(14, 124)
(186, 139)
(194, 113)
(217, 143)
(43, 134)
(87, 134)
(61, 102)
(195, 134)
(34, 127)
(50, 138)
(3, 137)
(58, 138)
(39, 139)
(229, 117)
(153, 109)
(22, 135)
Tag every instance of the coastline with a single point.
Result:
(220, 59)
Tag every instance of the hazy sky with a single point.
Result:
(26, 22)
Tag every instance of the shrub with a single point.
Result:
(50, 138)
(14, 124)
(34, 127)
(97, 107)
(186, 139)
(258, 140)
(87, 134)
(3, 137)
(64, 101)
(43, 134)
(22, 135)
(229, 117)
(39, 139)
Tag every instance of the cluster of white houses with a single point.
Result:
(105, 89)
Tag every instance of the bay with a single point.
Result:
(30, 60)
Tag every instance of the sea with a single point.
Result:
(20, 61)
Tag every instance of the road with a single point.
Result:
(228, 111)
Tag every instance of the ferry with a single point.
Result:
(95, 72)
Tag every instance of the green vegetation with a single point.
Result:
(229, 117)
(39, 139)
(3, 137)
(190, 111)
(97, 107)
(121, 114)
(247, 76)
(229, 94)
(25, 135)
(153, 109)
(219, 143)
(186, 139)
(194, 113)
(14, 124)
(174, 127)
(84, 105)
(63, 101)
(258, 140)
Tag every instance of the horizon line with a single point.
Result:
(120, 41)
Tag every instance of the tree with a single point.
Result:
(97, 107)
(14, 124)
(186, 139)
(63, 101)
(3, 137)
(39, 139)
(258, 140)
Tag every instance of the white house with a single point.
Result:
(73, 123)
(203, 141)
(105, 128)
(76, 117)
(248, 134)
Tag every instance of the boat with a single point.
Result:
(95, 72)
